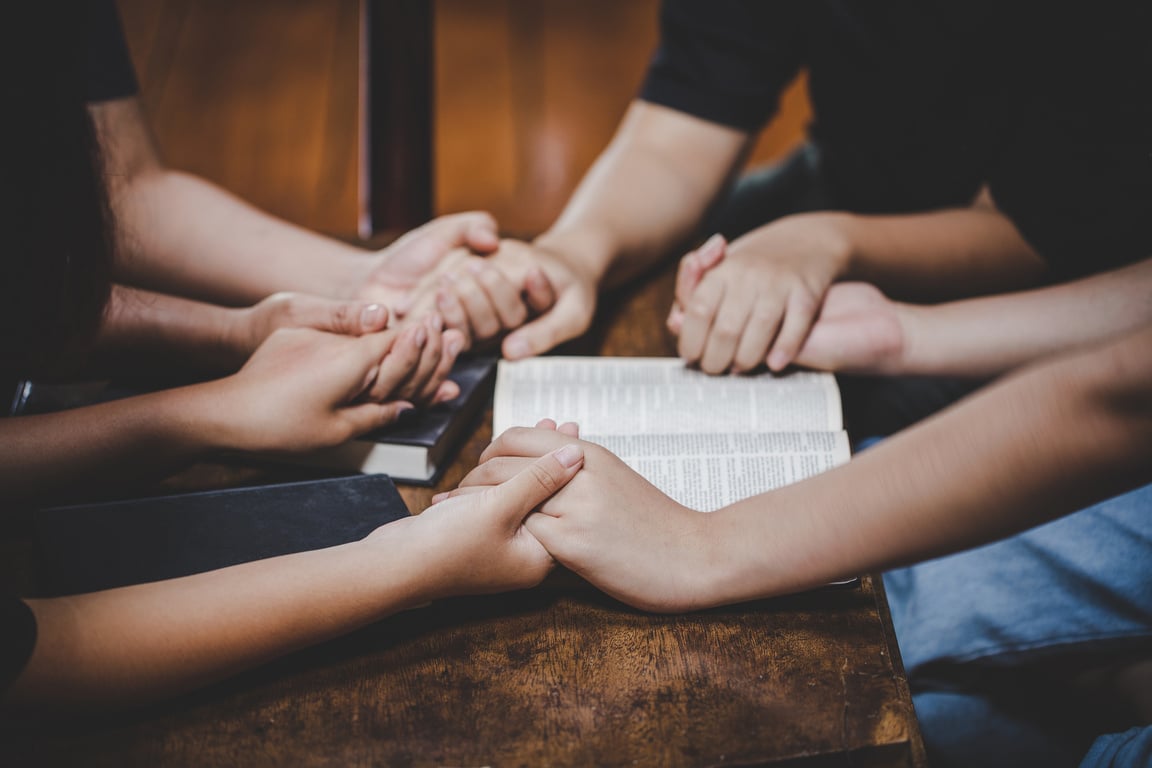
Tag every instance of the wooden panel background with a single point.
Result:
(261, 97)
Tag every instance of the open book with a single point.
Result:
(706, 441)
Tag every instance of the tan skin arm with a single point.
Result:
(185, 236)
(136, 644)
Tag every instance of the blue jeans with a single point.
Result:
(992, 637)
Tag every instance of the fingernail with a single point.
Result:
(403, 406)
(454, 347)
(439, 497)
(420, 336)
(711, 249)
(475, 267)
(515, 348)
(569, 456)
(436, 321)
(372, 315)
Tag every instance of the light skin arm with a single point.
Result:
(136, 644)
(145, 327)
(333, 386)
(859, 330)
(641, 200)
(1042, 443)
(183, 235)
(741, 304)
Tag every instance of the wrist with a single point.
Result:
(586, 253)
(839, 233)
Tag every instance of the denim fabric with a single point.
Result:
(1130, 749)
(989, 636)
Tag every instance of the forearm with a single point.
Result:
(136, 644)
(164, 330)
(1044, 443)
(228, 251)
(940, 255)
(108, 444)
(647, 192)
(987, 336)
(180, 234)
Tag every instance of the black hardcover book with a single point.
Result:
(415, 449)
(91, 547)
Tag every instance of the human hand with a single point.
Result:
(479, 537)
(250, 326)
(759, 297)
(305, 389)
(859, 330)
(557, 291)
(391, 274)
(609, 525)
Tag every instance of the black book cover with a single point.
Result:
(100, 546)
(427, 427)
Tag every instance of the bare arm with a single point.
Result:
(149, 330)
(859, 330)
(1041, 444)
(135, 644)
(183, 235)
(643, 198)
(333, 386)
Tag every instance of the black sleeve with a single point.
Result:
(1073, 168)
(110, 74)
(17, 639)
(726, 60)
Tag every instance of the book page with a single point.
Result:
(706, 472)
(660, 395)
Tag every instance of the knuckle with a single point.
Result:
(543, 478)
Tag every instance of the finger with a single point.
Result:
(398, 364)
(480, 231)
(688, 274)
(548, 530)
(568, 319)
(533, 485)
(350, 318)
(539, 292)
(496, 470)
(413, 388)
(546, 424)
(458, 492)
(452, 311)
(570, 428)
(482, 318)
(727, 328)
(503, 296)
(712, 252)
(801, 313)
(698, 316)
(524, 441)
(365, 417)
(675, 321)
(438, 388)
(757, 337)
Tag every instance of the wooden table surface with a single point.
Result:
(556, 676)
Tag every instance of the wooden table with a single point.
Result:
(556, 676)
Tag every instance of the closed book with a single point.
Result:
(89, 547)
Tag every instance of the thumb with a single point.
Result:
(350, 318)
(480, 232)
(539, 293)
(366, 417)
(533, 485)
(564, 321)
